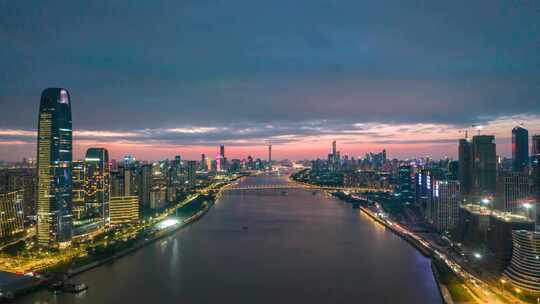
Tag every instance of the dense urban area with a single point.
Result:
(476, 217)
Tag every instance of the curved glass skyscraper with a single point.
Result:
(54, 157)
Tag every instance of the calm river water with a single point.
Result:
(299, 248)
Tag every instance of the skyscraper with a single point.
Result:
(484, 165)
(520, 149)
(54, 152)
(97, 183)
(513, 191)
(270, 156)
(465, 167)
(222, 151)
(78, 196)
(536, 174)
(405, 190)
(536, 165)
(191, 172)
(446, 201)
(12, 214)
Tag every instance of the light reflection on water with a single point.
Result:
(298, 248)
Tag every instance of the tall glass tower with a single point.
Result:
(520, 149)
(54, 157)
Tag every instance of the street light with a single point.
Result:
(477, 255)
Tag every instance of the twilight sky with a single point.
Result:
(159, 78)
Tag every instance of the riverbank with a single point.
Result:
(450, 286)
(39, 284)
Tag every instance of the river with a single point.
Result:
(298, 248)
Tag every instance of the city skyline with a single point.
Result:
(301, 83)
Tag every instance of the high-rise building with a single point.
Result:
(191, 172)
(11, 214)
(78, 175)
(465, 167)
(25, 179)
(270, 156)
(222, 151)
(204, 165)
(145, 185)
(446, 202)
(484, 165)
(520, 149)
(513, 191)
(535, 174)
(405, 190)
(97, 183)
(54, 152)
(124, 210)
(524, 269)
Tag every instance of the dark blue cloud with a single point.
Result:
(161, 64)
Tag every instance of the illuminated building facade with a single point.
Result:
(446, 202)
(97, 183)
(11, 214)
(77, 174)
(124, 210)
(54, 153)
(524, 269)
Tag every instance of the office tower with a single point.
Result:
(535, 174)
(484, 165)
(520, 149)
(145, 185)
(405, 190)
(124, 210)
(78, 176)
(11, 215)
(130, 181)
(270, 156)
(465, 167)
(513, 190)
(21, 179)
(54, 152)
(117, 182)
(446, 202)
(204, 165)
(423, 192)
(191, 172)
(524, 269)
(158, 196)
(222, 151)
(97, 183)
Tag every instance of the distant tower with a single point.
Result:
(54, 152)
(520, 149)
(270, 155)
(222, 151)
